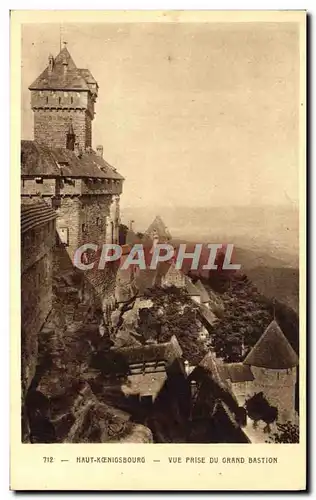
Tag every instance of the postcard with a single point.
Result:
(158, 243)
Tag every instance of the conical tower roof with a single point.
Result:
(159, 227)
(57, 79)
(272, 351)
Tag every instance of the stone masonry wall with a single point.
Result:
(278, 386)
(36, 294)
(51, 126)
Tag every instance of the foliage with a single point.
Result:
(173, 313)
(247, 314)
(258, 408)
(286, 433)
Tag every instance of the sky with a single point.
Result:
(195, 115)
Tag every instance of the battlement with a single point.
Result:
(63, 96)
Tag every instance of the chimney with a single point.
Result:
(50, 63)
(100, 151)
(131, 222)
(65, 65)
(77, 150)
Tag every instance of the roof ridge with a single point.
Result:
(56, 78)
(272, 350)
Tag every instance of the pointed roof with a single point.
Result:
(38, 160)
(272, 351)
(207, 316)
(159, 226)
(191, 288)
(203, 292)
(57, 79)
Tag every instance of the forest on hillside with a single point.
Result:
(247, 313)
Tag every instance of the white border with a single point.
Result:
(5, 86)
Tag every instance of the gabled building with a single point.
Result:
(60, 165)
(150, 383)
(217, 416)
(193, 292)
(173, 277)
(273, 363)
(271, 368)
(204, 296)
(158, 231)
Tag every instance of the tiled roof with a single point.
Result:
(215, 371)
(203, 293)
(207, 314)
(212, 367)
(158, 226)
(35, 213)
(238, 372)
(74, 79)
(272, 351)
(191, 288)
(148, 353)
(40, 160)
(85, 73)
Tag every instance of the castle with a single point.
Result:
(60, 166)
(69, 196)
(269, 368)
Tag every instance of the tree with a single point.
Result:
(173, 313)
(286, 433)
(246, 315)
(258, 408)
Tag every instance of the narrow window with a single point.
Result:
(83, 228)
(46, 100)
(63, 233)
(98, 221)
(72, 100)
(59, 100)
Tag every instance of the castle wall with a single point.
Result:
(36, 293)
(51, 126)
(278, 387)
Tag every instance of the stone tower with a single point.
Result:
(61, 168)
(273, 363)
(63, 99)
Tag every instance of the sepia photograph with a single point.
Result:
(160, 217)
